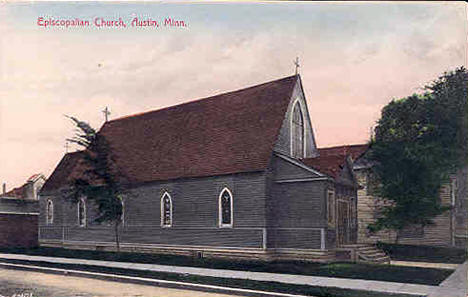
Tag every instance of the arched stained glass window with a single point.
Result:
(297, 132)
(50, 212)
(225, 208)
(82, 212)
(166, 210)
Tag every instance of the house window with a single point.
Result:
(166, 210)
(331, 207)
(352, 212)
(225, 208)
(453, 191)
(50, 212)
(82, 212)
(297, 132)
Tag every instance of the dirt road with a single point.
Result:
(18, 283)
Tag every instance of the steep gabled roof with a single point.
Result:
(63, 174)
(223, 134)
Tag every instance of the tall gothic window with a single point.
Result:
(225, 208)
(297, 132)
(82, 212)
(166, 210)
(50, 212)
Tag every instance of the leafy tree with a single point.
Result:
(100, 179)
(419, 141)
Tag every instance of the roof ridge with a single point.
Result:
(200, 99)
(167, 144)
(343, 145)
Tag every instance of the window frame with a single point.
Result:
(163, 225)
(122, 215)
(49, 212)
(85, 215)
(220, 209)
(291, 130)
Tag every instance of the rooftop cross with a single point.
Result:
(106, 113)
(296, 63)
(67, 146)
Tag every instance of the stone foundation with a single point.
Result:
(204, 252)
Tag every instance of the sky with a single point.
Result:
(354, 57)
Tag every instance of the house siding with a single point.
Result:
(442, 233)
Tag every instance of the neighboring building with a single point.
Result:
(450, 228)
(19, 212)
(233, 175)
(30, 190)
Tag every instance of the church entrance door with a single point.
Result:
(343, 222)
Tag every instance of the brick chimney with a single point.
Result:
(4, 189)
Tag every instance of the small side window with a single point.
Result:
(50, 212)
(82, 212)
(166, 210)
(225, 208)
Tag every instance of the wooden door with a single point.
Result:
(343, 222)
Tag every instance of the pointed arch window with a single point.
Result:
(225, 208)
(297, 132)
(122, 215)
(50, 212)
(166, 210)
(82, 212)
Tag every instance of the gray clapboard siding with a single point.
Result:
(14, 205)
(226, 237)
(195, 214)
(284, 170)
(298, 205)
(294, 238)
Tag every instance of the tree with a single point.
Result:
(419, 141)
(99, 181)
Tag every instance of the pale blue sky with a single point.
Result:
(355, 57)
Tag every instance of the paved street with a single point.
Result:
(36, 284)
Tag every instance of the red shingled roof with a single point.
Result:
(16, 192)
(224, 134)
(19, 192)
(330, 165)
(354, 150)
(332, 159)
(66, 170)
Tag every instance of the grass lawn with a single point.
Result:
(420, 253)
(416, 275)
(223, 282)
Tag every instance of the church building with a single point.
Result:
(234, 175)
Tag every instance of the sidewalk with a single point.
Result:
(455, 285)
(343, 283)
(425, 264)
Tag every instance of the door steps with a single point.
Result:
(364, 253)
